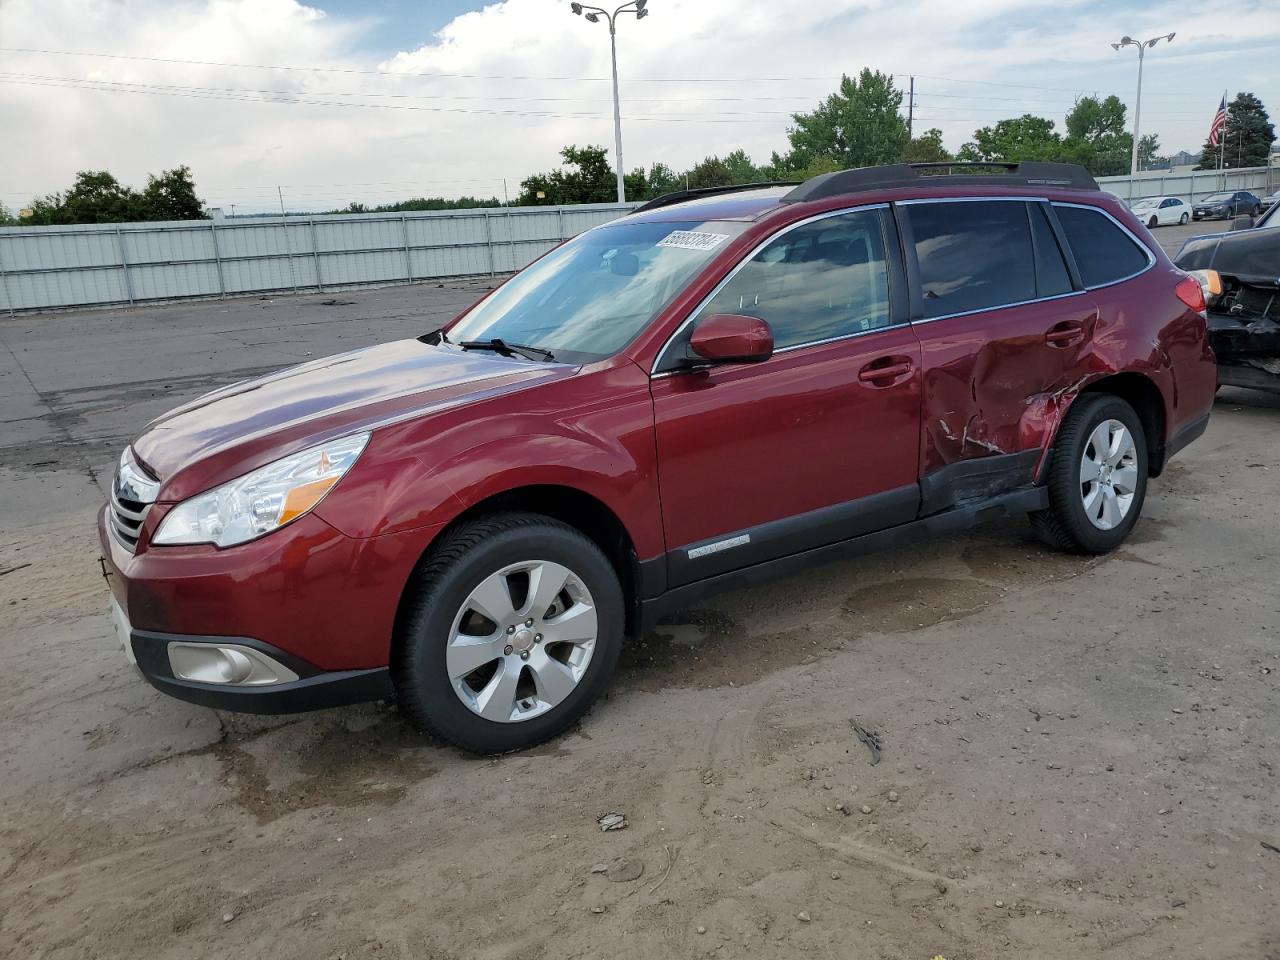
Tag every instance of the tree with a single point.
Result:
(95, 197)
(711, 172)
(1096, 136)
(740, 167)
(1148, 150)
(1092, 119)
(6, 218)
(662, 180)
(1021, 138)
(1247, 138)
(98, 197)
(857, 126)
(926, 148)
(589, 179)
(172, 196)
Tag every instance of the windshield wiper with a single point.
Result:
(513, 349)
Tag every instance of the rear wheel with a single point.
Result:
(512, 630)
(1097, 477)
(1182, 219)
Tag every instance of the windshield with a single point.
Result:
(592, 295)
(1216, 198)
(1149, 202)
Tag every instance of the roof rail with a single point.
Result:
(1033, 173)
(680, 196)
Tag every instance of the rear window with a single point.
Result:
(1104, 252)
(973, 255)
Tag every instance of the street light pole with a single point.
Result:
(1142, 46)
(593, 14)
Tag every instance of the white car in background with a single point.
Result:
(1159, 211)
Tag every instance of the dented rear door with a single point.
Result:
(1003, 329)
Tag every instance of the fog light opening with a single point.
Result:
(227, 664)
(234, 666)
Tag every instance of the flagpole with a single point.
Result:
(1222, 146)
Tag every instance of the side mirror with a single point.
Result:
(732, 338)
(1242, 223)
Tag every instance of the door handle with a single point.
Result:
(1065, 334)
(886, 371)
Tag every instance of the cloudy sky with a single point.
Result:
(341, 100)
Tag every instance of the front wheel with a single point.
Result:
(1097, 477)
(512, 629)
(1182, 220)
(1153, 222)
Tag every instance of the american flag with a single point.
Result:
(1219, 122)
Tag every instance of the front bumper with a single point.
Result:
(307, 597)
(1209, 214)
(313, 690)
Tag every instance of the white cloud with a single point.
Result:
(328, 155)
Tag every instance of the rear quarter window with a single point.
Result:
(1103, 251)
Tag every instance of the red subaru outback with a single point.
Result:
(722, 387)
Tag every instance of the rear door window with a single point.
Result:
(1103, 251)
(1052, 278)
(972, 255)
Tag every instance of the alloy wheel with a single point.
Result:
(1108, 474)
(522, 641)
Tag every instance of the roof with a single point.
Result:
(743, 205)
(752, 201)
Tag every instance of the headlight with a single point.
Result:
(1210, 283)
(261, 501)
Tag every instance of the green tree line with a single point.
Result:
(860, 124)
(98, 197)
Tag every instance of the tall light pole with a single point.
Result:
(593, 15)
(1142, 46)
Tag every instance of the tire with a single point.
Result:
(1067, 523)
(529, 698)
(1153, 223)
(1182, 220)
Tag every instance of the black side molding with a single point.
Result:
(977, 479)
(1008, 504)
(766, 541)
(1189, 432)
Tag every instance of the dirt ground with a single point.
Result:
(1079, 756)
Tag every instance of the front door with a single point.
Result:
(817, 444)
(1002, 328)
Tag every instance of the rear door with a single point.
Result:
(1002, 321)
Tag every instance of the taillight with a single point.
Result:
(1190, 293)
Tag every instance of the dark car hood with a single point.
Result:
(1253, 256)
(237, 428)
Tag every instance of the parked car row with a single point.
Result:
(1162, 211)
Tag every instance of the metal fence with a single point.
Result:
(1192, 185)
(45, 268)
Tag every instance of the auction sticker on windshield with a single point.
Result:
(693, 240)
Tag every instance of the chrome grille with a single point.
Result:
(132, 493)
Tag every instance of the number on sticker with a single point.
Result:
(693, 240)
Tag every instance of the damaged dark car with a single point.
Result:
(1239, 272)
